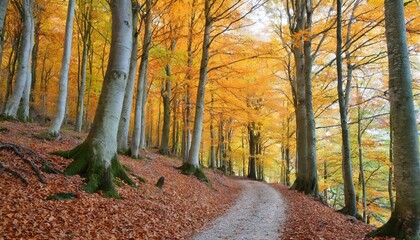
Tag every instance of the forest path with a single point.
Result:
(259, 213)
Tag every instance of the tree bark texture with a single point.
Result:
(349, 193)
(141, 84)
(23, 70)
(405, 218)
(64, 73)
(96, 158)
(124, 125)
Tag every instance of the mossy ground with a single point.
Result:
(98, 177)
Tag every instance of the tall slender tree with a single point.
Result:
(141, 84)
(64, 73)
(349, 193)
(405, 218)
(23, 73)
(96, 158)
(124, 124)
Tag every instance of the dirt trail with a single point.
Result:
(259, 213)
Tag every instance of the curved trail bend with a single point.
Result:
(259, 213)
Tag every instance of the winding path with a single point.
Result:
(259, 213)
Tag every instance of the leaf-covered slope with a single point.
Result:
(183, 205)
(308, 218)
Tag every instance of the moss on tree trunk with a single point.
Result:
(99, 176)
(400, 228)
(189, 169)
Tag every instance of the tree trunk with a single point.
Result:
(390, 172)
(311, 179)
(96, 158)
(141, 90)
(11, 67)
(64, 73)
(349, 193)
(166, 94)
(300, 104)
(34, 61)
(82, 86)
(405, 218)
(124, 125)
(252, 165)
(301, 125)
(361, 168)
(86, 114)
(212, 136)
(175, 125)
(23, 71)
(192, 165)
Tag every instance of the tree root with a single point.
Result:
(14, 173)
(98, 177)
(348, 212)
(189, 169)
(47, 136)
(400, 228)
(20, 151)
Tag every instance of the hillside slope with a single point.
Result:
(147, 212)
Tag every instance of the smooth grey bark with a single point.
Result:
(141, 85)
(124, 125)
(300, 106)
(311, 178)
(349, 193)
(96, 158)
(405, 218)
(199, 109)
(23, 70)
(23, 111)
(64, 73)
(143, 116)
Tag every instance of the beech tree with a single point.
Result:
(96, 158)
(124, 124)
(405, 218)
(349, 194)
(139, 120)
(64, 73)
(22, 85)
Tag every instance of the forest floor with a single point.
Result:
(308, 218)
(184, 207)
(259, 214)
(147, 212)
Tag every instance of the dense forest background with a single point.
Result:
(251, 94)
